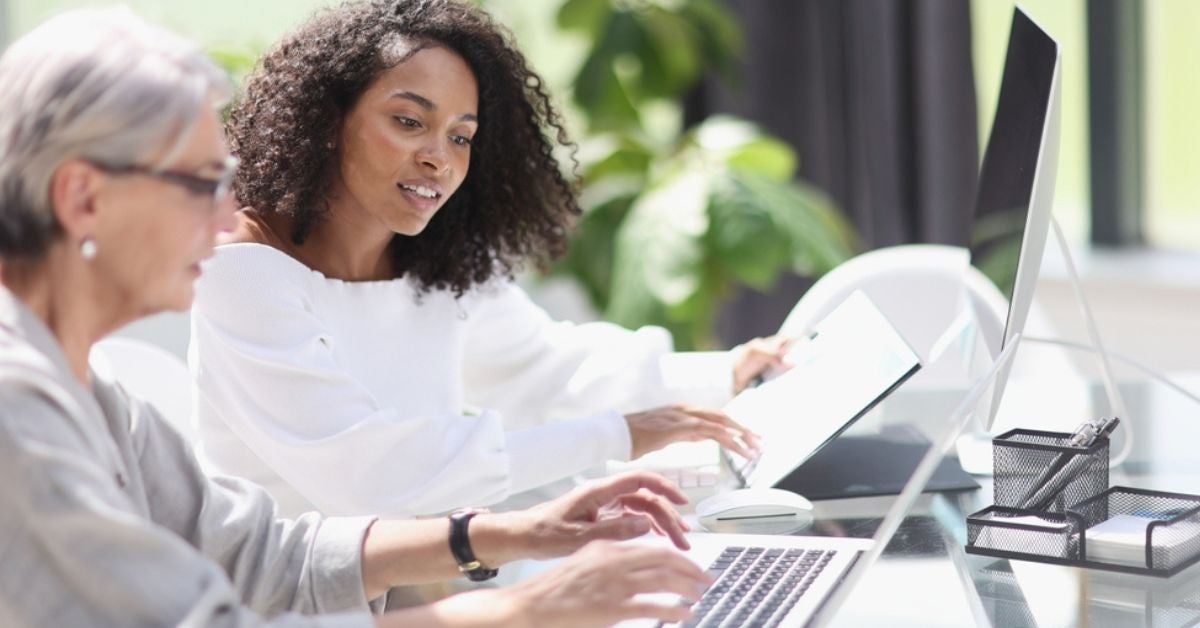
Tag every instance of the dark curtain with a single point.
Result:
(878, 99)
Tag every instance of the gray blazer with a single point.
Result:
(107, 520)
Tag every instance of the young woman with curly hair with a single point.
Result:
(358, 343)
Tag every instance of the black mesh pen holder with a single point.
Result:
(1023, 461)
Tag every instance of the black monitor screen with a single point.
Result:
(1009, 163)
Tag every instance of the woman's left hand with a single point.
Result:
(616, 508)
(757, 357)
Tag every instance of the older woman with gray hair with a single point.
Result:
(114, 182)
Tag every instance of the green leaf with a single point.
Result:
(765, 156)
(599, 90)
(585, 16)
(659, 252)
(603, 191)
(670, 53)
(624, 159)
(655, 51)
(744, 238)
(743, 146)
(720, 33)
(818, 235)
(590, 256)
(723, 134)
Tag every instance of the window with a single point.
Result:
(1172, 125)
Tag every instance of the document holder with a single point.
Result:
(1132, 530)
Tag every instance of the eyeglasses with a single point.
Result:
(217, 189)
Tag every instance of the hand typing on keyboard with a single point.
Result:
(600, 585)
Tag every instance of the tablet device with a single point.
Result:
(842, 368)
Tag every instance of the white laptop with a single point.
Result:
(794, 581)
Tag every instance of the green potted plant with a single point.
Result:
(676, 218)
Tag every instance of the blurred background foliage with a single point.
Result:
(674, 218)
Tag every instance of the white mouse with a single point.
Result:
(754, 507)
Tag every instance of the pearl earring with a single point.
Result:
(87, 249)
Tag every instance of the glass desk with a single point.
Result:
(926, 579)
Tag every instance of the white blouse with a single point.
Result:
(369, 398)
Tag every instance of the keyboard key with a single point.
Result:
(688, 482)
(756, 586)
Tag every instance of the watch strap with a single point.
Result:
(460, 547)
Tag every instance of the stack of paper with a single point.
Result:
(1120, 540)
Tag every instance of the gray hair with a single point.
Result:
(96, 84)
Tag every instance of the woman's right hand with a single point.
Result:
(597, 587)
(657, 428)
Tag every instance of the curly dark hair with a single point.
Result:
(515, 204)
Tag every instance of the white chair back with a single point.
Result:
(921, 289)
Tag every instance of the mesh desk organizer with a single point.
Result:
(1157, 533)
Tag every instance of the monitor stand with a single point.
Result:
(975, 447)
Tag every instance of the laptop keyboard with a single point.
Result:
(757, 586)
(706, 476)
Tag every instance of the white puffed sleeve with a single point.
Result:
(534, 369)
(263, 365)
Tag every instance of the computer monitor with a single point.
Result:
(1016, 179)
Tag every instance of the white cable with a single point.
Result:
(1155, 375)
(1127, 446)
(1116, 403)
(1110, 384)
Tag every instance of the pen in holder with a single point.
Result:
(1044, 471)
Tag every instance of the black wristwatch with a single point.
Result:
(460, 546)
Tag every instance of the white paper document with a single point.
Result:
(851, 360)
